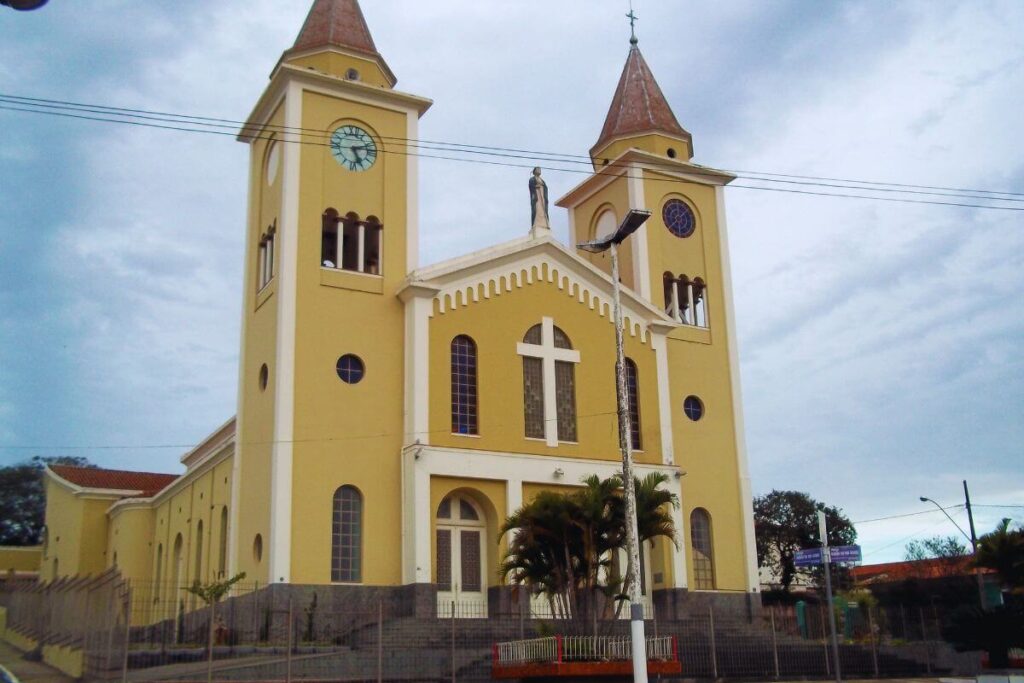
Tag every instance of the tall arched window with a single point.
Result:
(633, 404)
(222, 556)
(464, 394)
(347, 535)
(198, 575)
(159, 577)
(703, 552)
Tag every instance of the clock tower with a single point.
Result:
(331, 235)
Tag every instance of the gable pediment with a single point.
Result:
(503, 269)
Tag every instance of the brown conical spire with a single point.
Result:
(335, 22)
(638, 106)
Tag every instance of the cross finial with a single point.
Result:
(632, 25)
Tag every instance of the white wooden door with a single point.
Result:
(461, 558)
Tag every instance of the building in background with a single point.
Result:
(391, 415)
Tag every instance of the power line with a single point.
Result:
(460, 148)
(907, 514)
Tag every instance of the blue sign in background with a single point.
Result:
(811, 557)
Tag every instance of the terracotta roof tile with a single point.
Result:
(335, 22)
(116, 480)
(638, 105)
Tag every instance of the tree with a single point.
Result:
(23, 500)
(787, 521)
(1003, 551)
(562, 544)
(211, 594)
(946, 552)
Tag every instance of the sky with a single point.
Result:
(880, 342)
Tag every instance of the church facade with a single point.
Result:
(390, 414)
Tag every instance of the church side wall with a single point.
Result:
(259, 332)
(349, 434)
(130, 541)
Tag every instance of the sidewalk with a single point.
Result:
(29, 672)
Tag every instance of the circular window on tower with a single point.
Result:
(693, 407)
(350, 369)
(679, 218)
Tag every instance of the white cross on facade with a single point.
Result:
(549, 353)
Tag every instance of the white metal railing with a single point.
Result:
(580, 648)
(526, 651)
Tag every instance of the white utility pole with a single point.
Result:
(826, 558)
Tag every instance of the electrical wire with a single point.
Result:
(187, 129)
(557, 156)
(907, 514)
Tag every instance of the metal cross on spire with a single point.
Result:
(632, 24)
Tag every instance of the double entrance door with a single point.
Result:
(461, 558)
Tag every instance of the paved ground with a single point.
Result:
(29, 672)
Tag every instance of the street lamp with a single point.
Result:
(633, 220)
(23, 5)
(972, 538)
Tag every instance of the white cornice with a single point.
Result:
(214, 442)
(523, 261)
(313, 79)
(198, 470)
(684, 170)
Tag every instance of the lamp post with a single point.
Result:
(633, 220)
(972, 538)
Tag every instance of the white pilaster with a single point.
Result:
(279, 542)
(679, 552)
(418, 305)
(641, 252)
(659, 343)
(743, 468)
(513, 499)
(412, 208)
(416, 517)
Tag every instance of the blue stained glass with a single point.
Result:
(464, 389)
(350, 369)
(693, 408)
(678, 218)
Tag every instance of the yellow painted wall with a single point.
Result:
(614, 196)
(496, 325)
(705, 449)
(68, 660)
(349, 434)
(130, 542)
(338, 64)
(259, 330)
(654, 143)
(491, 496)
(76, 532)
(20, 559)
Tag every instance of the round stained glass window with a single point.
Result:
(350, 369)
(693, 408)
(679, 218)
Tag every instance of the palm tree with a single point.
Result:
(562, 544)
(1003, 551)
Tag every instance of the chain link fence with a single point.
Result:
(149, 632)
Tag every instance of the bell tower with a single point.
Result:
(679, 262)
(332, 232)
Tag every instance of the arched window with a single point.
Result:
(464, 394)
(329, 239)
(159, 576)
(222, 556)
(347, 535)
(548, 355)
(198, 575)
(633, 404)
(703, 552)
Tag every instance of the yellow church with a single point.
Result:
(391, 414)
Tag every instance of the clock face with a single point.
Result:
(353, 148)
